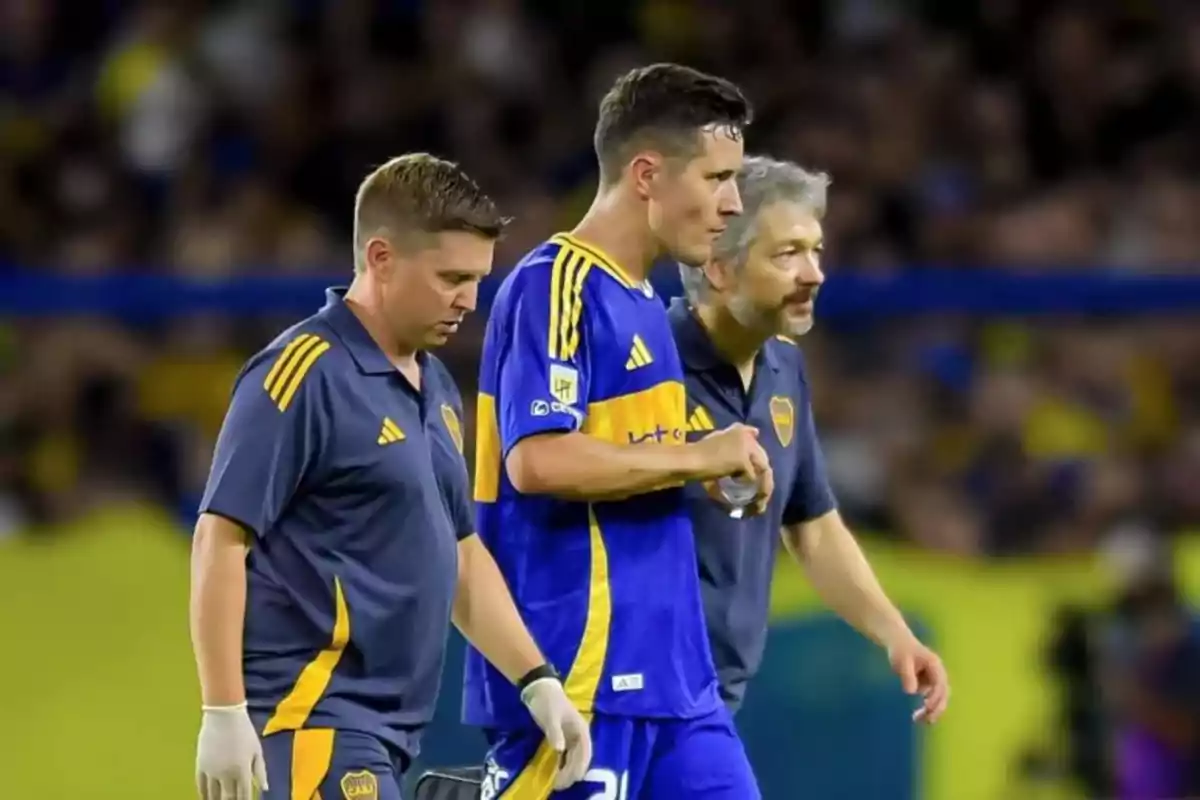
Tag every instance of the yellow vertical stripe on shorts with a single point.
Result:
(293, 710)
(312, 754)
(535, 781)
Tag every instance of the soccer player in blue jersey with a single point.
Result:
(581, 458)
(736, 333)
(336, 536)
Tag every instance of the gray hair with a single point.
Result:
(762, 182)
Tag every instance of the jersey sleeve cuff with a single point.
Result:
(239, 518)
(536, 426)
(804, 515)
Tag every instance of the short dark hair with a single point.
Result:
(664, 106)
(418, 193)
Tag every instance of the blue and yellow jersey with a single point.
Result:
(609, 590)
(354, 486)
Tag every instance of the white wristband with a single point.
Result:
(225, 709)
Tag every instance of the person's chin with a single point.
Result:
(436, 338)
(798, 326)
(696, 256)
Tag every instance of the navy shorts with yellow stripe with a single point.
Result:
(632, 759)
(324, 764)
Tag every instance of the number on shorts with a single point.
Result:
(614, 786)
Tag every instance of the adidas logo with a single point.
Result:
(390, 432)
(700, 420)
(639, 356)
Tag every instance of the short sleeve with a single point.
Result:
(462, 511)
(811, 495)
(270, 439)
(543, 376)
(456, 488)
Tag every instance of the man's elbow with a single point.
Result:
(531, 465)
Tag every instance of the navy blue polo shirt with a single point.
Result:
(736, 557)
(355, 487)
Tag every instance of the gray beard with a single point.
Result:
(749, 317)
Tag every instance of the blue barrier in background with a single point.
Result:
(148, 297)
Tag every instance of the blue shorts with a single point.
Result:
(322, 762)
(632, 759)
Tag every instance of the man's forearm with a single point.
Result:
(843, 578)
(575, 466)
(485, 614)
(218, 608)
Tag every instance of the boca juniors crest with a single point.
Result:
(453, 425)
(783, 417)
(360, 785)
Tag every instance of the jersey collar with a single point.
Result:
(350, 330)
(696, 348)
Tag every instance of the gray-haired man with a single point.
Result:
(736, 333)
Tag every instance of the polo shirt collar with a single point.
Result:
(350, 330)
(697, 349)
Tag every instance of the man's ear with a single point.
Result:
(379, 257)
(644, 170)
(720, 273)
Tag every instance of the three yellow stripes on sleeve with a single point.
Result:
(292, 366)
(570, 270)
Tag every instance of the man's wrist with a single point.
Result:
(895, 634)
(540, 673)
(223, 707)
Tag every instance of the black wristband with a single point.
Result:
(546, 670)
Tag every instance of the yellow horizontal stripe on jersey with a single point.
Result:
(705, 418)
(632, 417)
(535, 781)
(487, 449)
(312, 755)
(293, 710)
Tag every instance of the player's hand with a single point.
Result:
(229, 756)
(762, 497)
(732, 451)
(566, 730)
(921, 673)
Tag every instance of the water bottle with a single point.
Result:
(738, 493)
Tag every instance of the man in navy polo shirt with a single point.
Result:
(736, 332)
(336, 536)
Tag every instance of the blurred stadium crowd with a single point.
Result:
(209, 139)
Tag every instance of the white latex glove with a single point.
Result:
(567, 732)
(229, 756)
